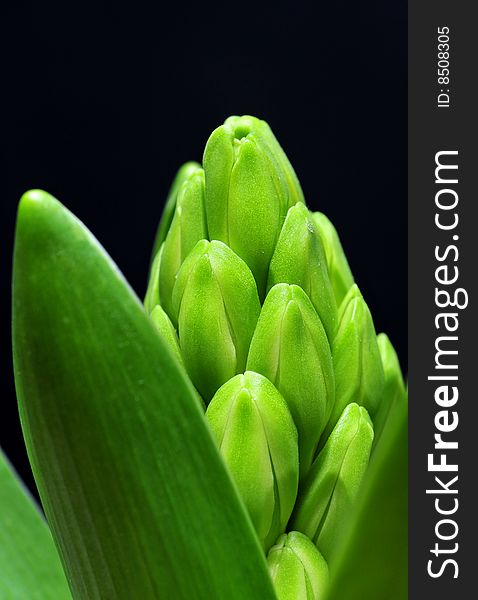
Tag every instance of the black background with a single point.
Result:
(103, 104)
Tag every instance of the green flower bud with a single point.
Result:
(170, 205)
(357, 363)
(151, 298)
(299, 258)
(258, 440)
(187, 228)
(166, 330)
(297, 569)
(216, 303)
(339, 271)
(247, 195)
(394, 386)
(334, 479)
(291, 349)
(261, 128)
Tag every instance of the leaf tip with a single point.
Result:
(34, 203)
(35, 198)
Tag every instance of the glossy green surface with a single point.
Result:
(299, 258)
(357, 362)
(246, 193)
(137, 496)
(339, 271)
(258, 441)
(290, 348)
(187, 228)
(371, 558)
(217, 307)
(170, 205)
(326, 497)
(298, 570)
(30, 567)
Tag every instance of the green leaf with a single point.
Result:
(30, 568)
(136, 493)
(371, 560)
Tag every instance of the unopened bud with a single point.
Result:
(340, 274)
(216, 304)
(187, 228)
(299, 258)
(151, 298)
(247, 191)
(291, 349)
(357, 363)
(170, 205)
(258, 441)
(297, 569)
(394, 387)
(334, 479)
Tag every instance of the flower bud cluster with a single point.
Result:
(256, 300)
